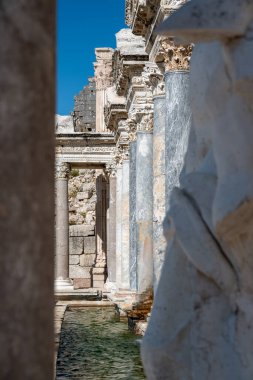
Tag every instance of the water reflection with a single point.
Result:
(96, 345)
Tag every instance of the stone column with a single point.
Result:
(125, 274)
(132, 216)
(144, 211)
(159, 241)
(27, 84)
(118, 225)
(62, 280)
(178, 121)
(111, 240)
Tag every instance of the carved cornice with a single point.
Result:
(62, 170)
(139, 14)
(125, 67)
(175, 57)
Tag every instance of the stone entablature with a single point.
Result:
(113, 114)
(115, 109)
(137, 11)
(129, 59)
(84, 148)
(161, 50)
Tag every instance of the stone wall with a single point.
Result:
(84, 114)
(82, 216)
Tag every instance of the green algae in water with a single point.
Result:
(96, 345)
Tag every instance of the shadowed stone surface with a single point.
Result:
(27, 32)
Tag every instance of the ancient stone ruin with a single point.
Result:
(153, 187)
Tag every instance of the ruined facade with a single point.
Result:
(178, 226)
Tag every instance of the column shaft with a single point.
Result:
(119, 227)
(144, 212)
(62, 230)
(132, 211)
(125, 274)
(27, 84)
(178, 122)
(111, 243)
(159, 241)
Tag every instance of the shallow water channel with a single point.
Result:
(96, 345)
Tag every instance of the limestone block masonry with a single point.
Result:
(82, 218)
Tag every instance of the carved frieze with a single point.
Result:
(84, 150)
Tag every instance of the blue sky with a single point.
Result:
(82, 25)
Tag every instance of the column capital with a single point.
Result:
(110, 169)
(155, 79)
(176, 57)
(62, 170)
(131, 127)
(146, 123)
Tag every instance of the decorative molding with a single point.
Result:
(139, 14)
(125, 67)
(84, 150)
(62, 170)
